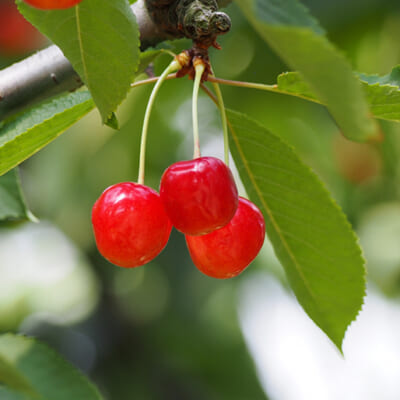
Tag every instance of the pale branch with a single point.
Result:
(48, 73)
(38, 77)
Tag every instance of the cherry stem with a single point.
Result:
(173, 66)
(151, 80)
(221, 107)
(171, 53)
(210, 94)
(199, 69)
(250, 85)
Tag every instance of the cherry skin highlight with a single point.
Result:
(52, 4)
(17, 35)
(130, 224)
(226, 252)
(199, 195)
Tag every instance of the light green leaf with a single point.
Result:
(294, 84)
(30, 368)
(295, 36)
(310, 234)
(382, 93)
(12, 204)
(101, 40)
(29, 132)
(392, 79)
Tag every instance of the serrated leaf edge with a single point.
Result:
(277, 229)
(75, 371)
(28, 388)
(26, 132)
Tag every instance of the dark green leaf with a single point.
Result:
(8, 394)
(31, 368)
(310, 234)
(29, 132)
(12, 205)
(294, 35)
(112, 121)
(10, 375)
(146, 58)
(101, 40)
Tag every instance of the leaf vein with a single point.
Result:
(271, 216)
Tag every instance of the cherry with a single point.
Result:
(52, 4)
(199, 195)
(226, 252)
(130, 224)
(17, 35)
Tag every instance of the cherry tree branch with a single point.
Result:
(48, 73)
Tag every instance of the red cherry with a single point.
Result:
(199, 195)
(17, 35)
(52, 4)
(130, 224)
(226, 252)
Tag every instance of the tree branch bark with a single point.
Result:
(48, 73)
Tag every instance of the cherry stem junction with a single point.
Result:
(199, 69)
(173, 66)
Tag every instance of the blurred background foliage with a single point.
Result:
(165, 331)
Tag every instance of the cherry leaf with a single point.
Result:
(12, 204)
(290, 30)
(310, 234)
(31, 370)
(101, 40)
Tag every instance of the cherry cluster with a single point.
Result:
(224, 232)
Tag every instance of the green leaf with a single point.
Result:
(392, 79)
(112, 122)
(12, 204)
(293, 83)
(10, 375)
(309, 233)
(382, 93)
(8, 394)
(295, 36)
(29, 132)
(146, 58)
(30, 368)
(287, 13)
(101, 40)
